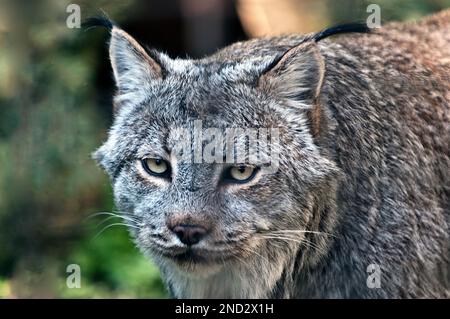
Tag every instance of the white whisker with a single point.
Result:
(115, 224)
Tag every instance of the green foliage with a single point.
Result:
(112, 267)
(391, 10)
(51, 120)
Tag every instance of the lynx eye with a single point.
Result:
(156, 166)
(240, 173)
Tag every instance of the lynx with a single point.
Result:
(358, 203)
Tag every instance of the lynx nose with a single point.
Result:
(189, 234)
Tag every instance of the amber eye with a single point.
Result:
(156, 166)
(240, 173)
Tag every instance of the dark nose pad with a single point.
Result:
(189, 234)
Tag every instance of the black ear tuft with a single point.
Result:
(100, 20)
(343, 28)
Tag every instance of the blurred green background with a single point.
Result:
(55, 108)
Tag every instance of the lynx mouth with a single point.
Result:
(197, 256)
(201, 256)
(192, 256)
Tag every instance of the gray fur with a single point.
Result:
(364, 163)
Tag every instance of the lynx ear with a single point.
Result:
(297, 75)
(133, 67)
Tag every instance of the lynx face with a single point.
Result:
(192, 202)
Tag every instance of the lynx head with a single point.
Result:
(214, 162)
